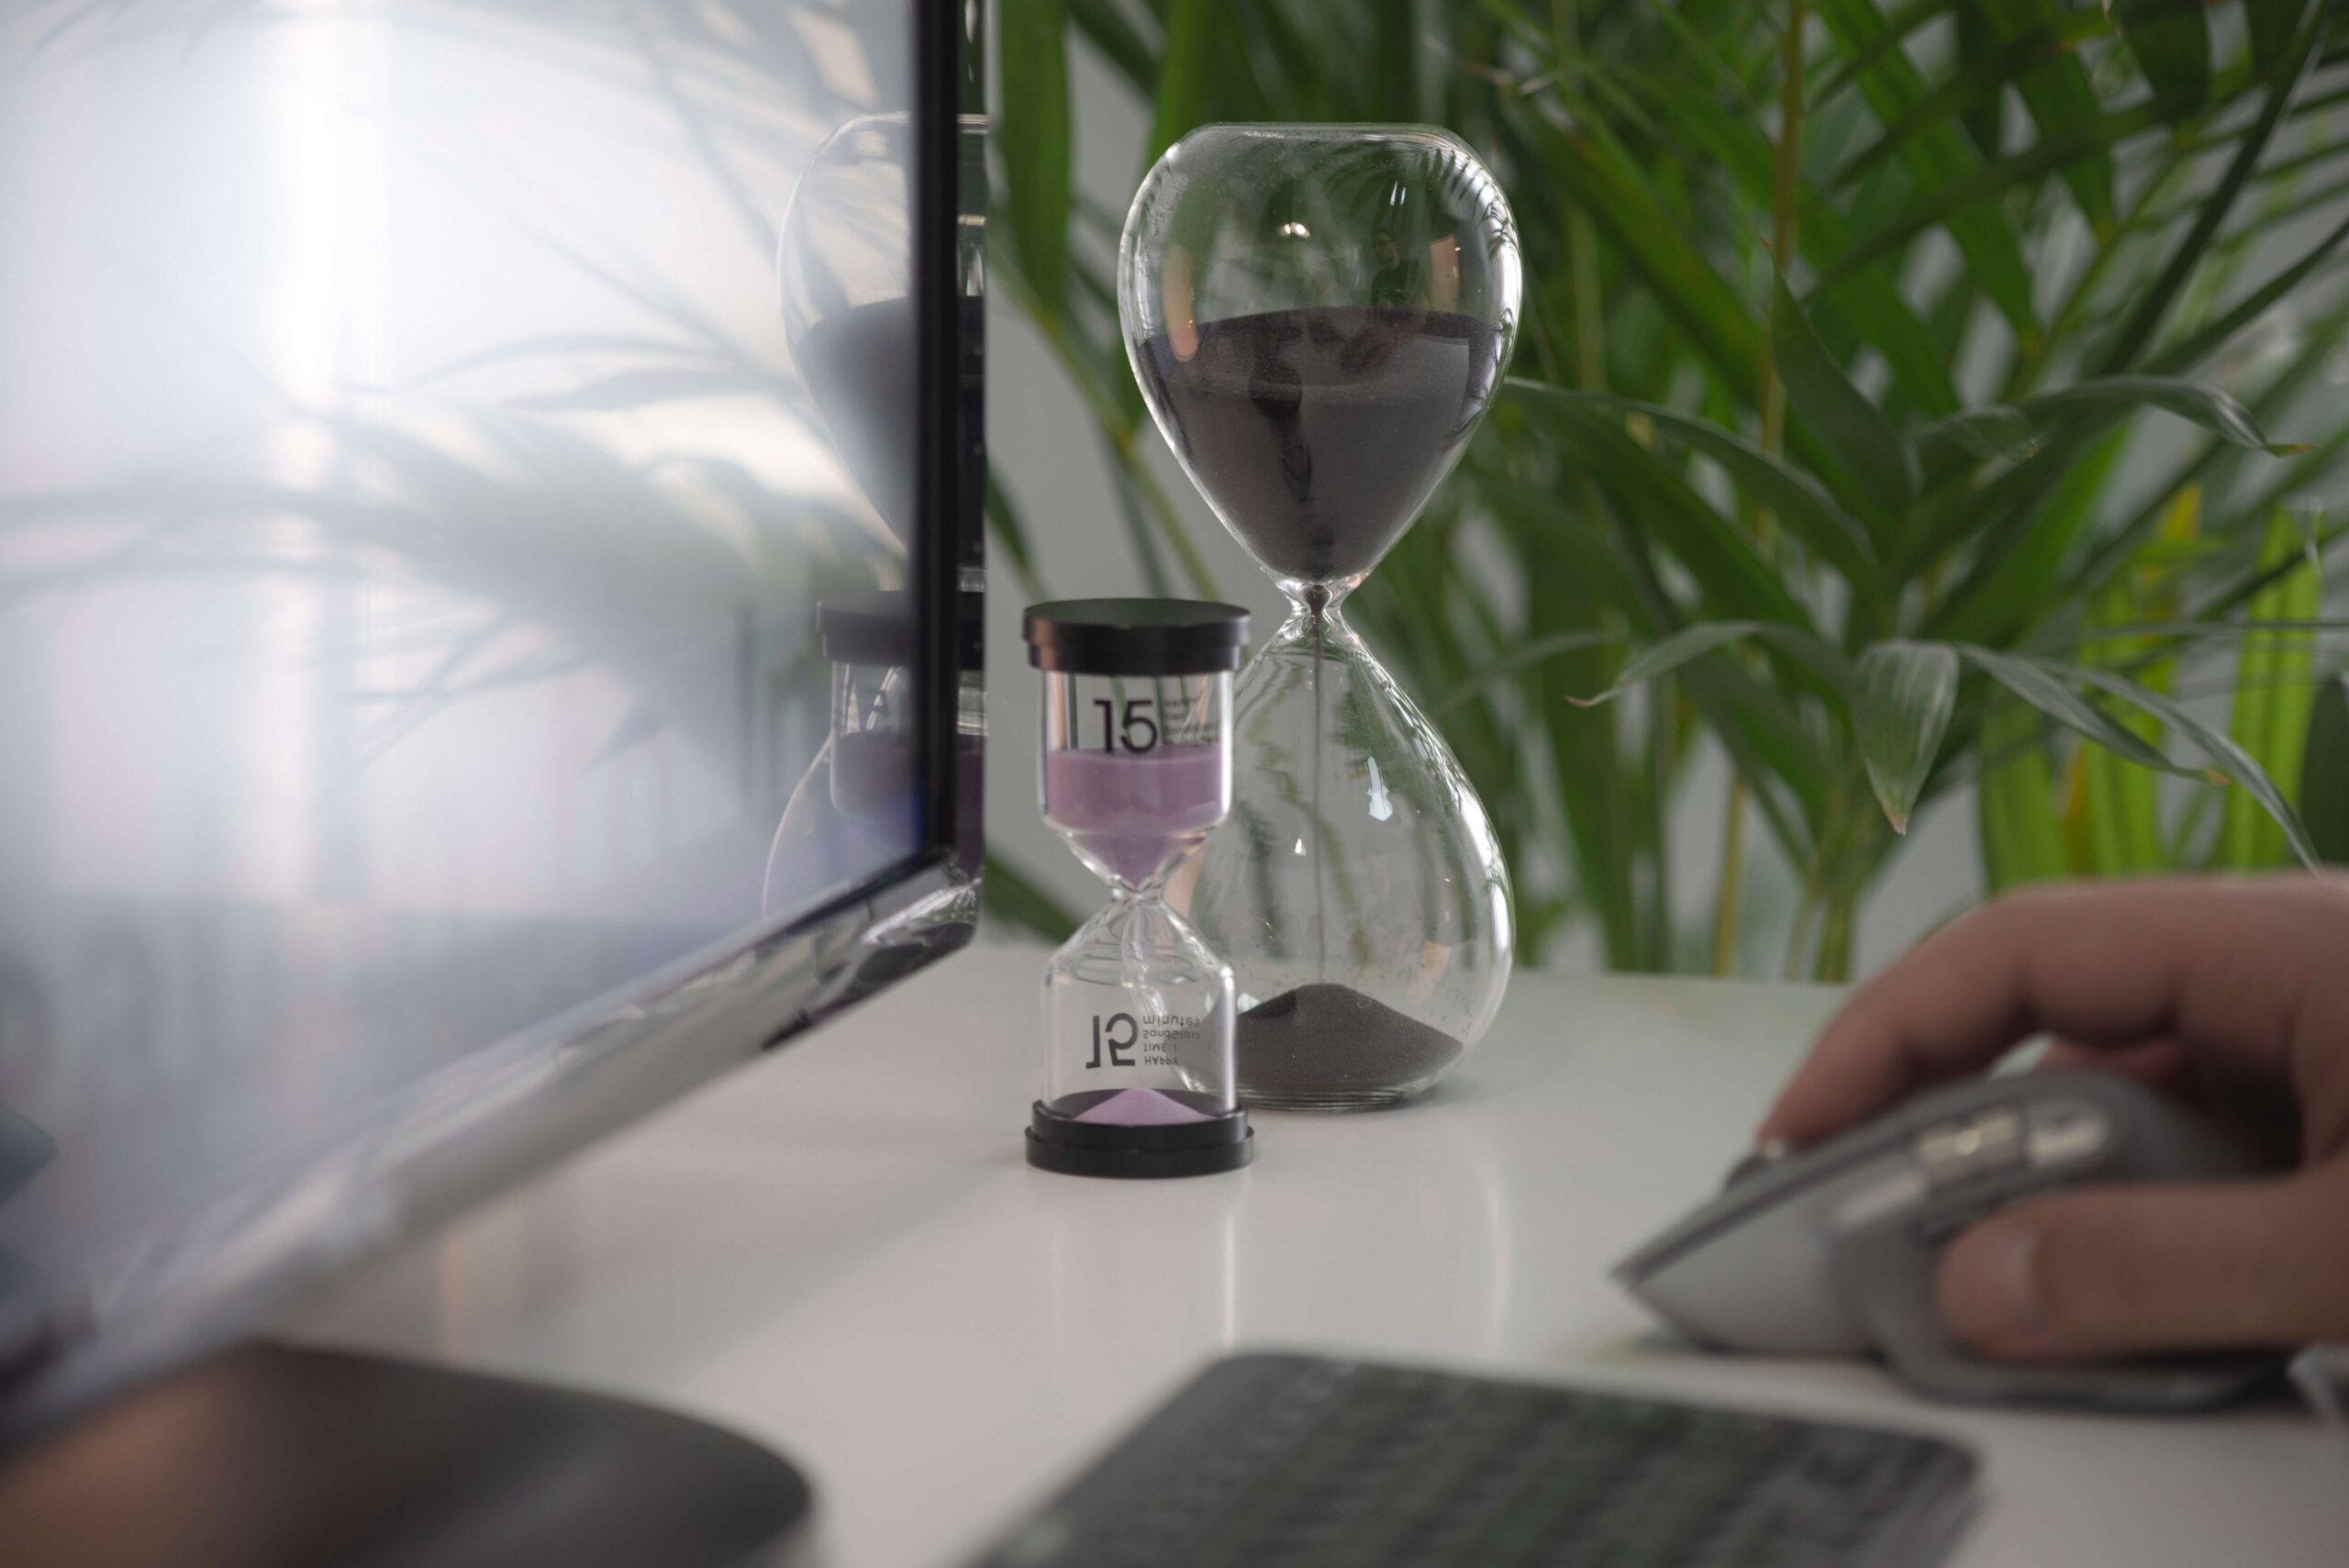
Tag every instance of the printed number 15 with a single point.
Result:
(1137, 720)
(1110, 1035)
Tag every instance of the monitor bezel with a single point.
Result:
(598, 1068)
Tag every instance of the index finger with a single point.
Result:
(2247, 971)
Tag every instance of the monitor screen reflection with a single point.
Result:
(414, 513)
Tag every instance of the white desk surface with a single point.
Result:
(841, 1251)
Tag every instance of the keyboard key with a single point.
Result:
(1276, 1462)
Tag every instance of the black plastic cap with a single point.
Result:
(1070, 1148)
(1135, 637)
(876, 627)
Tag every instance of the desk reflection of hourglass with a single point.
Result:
(1318, 316)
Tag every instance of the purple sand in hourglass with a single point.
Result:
(1136, 812)
(1319, 433)
(1143, 1108)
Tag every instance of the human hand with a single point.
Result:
(2235, 993)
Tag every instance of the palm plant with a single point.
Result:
(1890, 413)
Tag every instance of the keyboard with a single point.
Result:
(1299, 1462)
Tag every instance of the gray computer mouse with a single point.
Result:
(1832, 1251)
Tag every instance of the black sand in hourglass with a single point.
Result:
(1319, 435)
(1321, 1035)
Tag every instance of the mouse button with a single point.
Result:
(2065, 1132)
(1759, 1276)
(1760, 1287)
(1801, 1189)
(1776, 1166)
(1968, 1147)
(1897, 1191)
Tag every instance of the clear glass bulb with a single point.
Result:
(1136, 774)
(1318, 317)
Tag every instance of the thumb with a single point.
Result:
(2124, 1270)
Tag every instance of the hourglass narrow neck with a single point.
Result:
(1322, 595)
(1317, 625)
(1140, 924)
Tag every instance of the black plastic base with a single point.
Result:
(1072, 1148)
(271, 1457)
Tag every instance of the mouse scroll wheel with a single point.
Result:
(1972, 1146)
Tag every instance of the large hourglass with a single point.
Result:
(1318, 316)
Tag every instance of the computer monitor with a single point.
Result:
(489, 504)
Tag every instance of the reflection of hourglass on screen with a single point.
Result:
(847, 296)
(842, 271)
(856, 804)
(1318, 316)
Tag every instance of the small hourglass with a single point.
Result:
(1318, 317)
(1137, 773)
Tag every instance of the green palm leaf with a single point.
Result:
(1036, 148)
(1907, 691)
(1940, 159)
(2324, 772)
